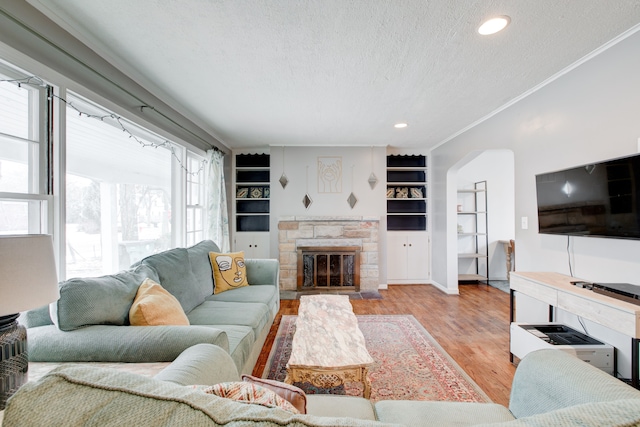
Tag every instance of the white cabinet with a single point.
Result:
(407, 257)
(255, 245)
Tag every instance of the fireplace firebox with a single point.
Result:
(328, 268)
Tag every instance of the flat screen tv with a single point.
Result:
(599, 199)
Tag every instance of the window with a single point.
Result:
(195, 199)
(25, 205)
(118, 185)
(127, 192)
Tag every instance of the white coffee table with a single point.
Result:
(328, 348)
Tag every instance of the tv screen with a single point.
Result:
(599, 199)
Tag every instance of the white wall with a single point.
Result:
(589, 114)
(495, 167)
(288, 201)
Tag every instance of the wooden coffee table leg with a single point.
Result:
(289, 378)
(331, 378)
(367, 384)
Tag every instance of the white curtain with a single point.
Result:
(217, 201)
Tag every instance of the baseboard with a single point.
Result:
(409, 282)
(445, 289)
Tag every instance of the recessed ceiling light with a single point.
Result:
(494, 25)
(400, 125)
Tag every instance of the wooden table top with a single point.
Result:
(327, 334)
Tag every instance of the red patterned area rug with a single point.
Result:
(409, 363)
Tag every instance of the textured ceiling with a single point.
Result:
(339, 72)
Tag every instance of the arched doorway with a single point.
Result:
(496, 168)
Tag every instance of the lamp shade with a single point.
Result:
(28, 277)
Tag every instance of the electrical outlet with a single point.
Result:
(524, 222)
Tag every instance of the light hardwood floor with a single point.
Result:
(472, 327)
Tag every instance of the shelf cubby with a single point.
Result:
(406, 192)
(252, 191)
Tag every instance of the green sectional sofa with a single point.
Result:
(90, 323)
(550, 388)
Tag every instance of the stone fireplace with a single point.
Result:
(329, 236)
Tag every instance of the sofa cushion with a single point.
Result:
(201, 265)
(333, 405)
(154, 305)
(414, 413)
(229, 271)
(254, 315)
(292, 394)
(174, 271)
(104, 300)
(265, 294)
(79, 395)
(246, 392)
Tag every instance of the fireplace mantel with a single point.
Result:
(339, 218)
(329, 231)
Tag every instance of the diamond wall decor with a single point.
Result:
(373, 180)
(306, 201)
(352, 200)
(284, 180)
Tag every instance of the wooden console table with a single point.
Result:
(557, 291)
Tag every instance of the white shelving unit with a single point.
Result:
(473, 238)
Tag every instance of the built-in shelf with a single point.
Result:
(406, 193)
(252, 195)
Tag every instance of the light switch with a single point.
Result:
(524, 222)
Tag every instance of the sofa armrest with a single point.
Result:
(623, 412)
(36, 317)
(107, 343)
(550, 379)
(201, 364)
(263, 271)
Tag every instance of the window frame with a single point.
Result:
(192, 209)
(40, 172)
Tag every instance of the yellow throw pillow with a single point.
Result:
(154, 305)
(229, 271)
